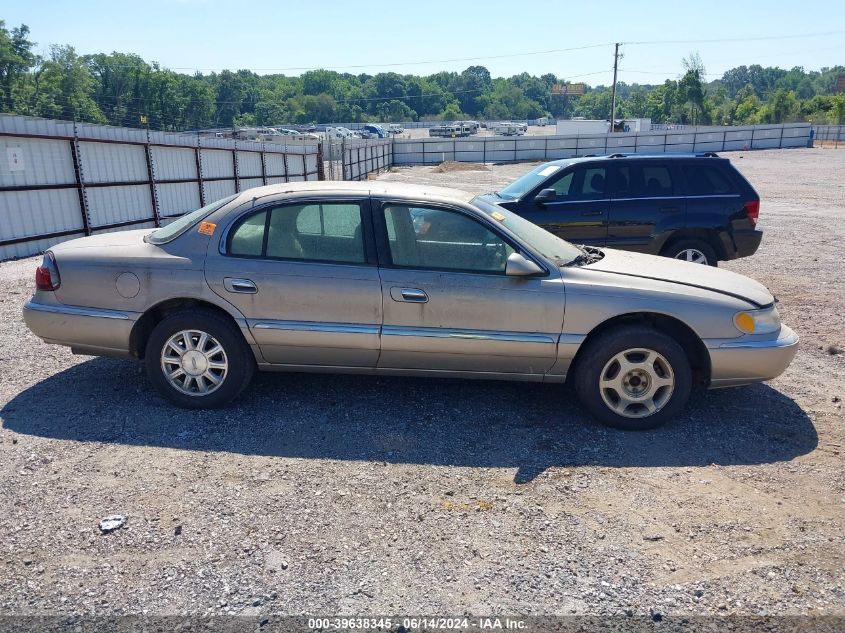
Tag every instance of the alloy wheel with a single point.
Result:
(194, 362)
(637, 383)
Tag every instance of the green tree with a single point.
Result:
(16, 59)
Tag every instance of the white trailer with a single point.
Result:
(574, 127)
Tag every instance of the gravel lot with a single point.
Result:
(342, 494)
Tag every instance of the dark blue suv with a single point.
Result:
(695, 207)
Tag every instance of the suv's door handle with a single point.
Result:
(245, 286)
(410, 295)
(592, 213)
(669, 209)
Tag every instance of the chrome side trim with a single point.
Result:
(76, 311)
(316, 326)
(788, 339)
(482, 335)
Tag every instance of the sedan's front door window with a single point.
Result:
(440, 239)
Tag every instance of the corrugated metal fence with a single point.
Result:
(527, 148)
(829, 136)
(59, 179)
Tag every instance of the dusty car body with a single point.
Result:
(396, 279)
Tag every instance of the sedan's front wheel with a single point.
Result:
(633, 378)
(198, 359)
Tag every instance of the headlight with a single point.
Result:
(763, 321)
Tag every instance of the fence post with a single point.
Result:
(263, 163)
(321, 171)
(343, 159)
(285, 162)
(151, 177)
(724, 139)
(198, 157)
(80, 181)
(546, 149)
(780, 140)
(235, 168)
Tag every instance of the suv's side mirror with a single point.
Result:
(519, 266)
(545, 195)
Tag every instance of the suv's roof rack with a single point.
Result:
(617, 156)
(709, 155)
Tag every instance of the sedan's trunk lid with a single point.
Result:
(684, 273)
(101, 240)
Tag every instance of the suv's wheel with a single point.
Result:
(633, 378)
(198, 359)
(692, 250)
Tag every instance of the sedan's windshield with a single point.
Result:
(521, 186)
(175, 228)
(540, 240)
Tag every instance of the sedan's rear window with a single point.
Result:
(179, 226)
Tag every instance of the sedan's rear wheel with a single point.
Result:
(633, 377)
(198, 359)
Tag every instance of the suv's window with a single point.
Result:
(423, 237)
(329, 232)
(593, 184)
(706, 180)
(642, 181)
(563, 186)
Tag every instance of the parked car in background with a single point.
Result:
(395, 128)
(371, 130)
(387, 278)
(695, 207)
(340, 133)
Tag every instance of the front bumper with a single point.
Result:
(748, 359)
(93, 331)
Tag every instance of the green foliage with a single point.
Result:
(120, 88)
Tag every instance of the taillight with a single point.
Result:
(752, 209)
(47, 274)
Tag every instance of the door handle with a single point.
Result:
(592, 213)
(243, 286)
(409, 295)
(669, 209)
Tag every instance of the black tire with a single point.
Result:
(696, 244)
(602, 349)
(240, 361)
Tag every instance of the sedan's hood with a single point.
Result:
(115, 238)
(684, 273)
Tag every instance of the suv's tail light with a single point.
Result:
(752, 209)
(47, 274)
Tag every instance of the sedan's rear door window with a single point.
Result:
(325, 232)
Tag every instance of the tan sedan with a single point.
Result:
(394, 279)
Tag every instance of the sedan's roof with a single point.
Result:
(363, 188)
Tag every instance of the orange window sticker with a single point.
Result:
(207, 228)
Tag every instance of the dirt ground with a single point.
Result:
(341, 494)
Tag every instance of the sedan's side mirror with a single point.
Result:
(545, 195)
(519, 266)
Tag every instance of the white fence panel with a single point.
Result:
(216, 189)
(174, 163)
(177, 198)
(249, 164)
(111, 205)
(40, 211)
(110, 162)
(275, 166)
(250, 183)
(217, 164)
(39, 162)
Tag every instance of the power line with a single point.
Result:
(737, 39)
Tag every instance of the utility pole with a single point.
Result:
(613, 97)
